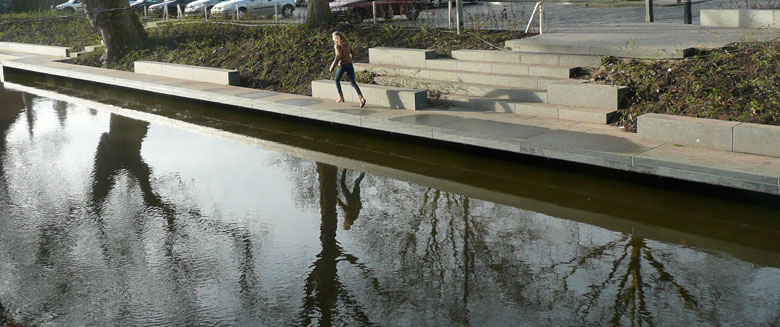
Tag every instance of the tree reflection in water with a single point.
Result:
(630, 285)
(327, 298)
(13, 104)
(119, 151)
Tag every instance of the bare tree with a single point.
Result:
(119, 26)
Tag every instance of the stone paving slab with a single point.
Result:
(568, 141)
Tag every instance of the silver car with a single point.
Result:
(262, 7)
(199, 6)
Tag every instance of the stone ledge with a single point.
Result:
(186, 72)
(581, 94)
(392, 97)
(688, 131)
(752, 18)
(400, 56)
(710, 133)
(757, 139)
(45, 50)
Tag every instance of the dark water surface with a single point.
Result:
(160, 212)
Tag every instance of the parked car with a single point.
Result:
(159, 9)
(142, 3)
(71, 6)
(262, 7)
(355, 11)
(199, 6)
(6, 6)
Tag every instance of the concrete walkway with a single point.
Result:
(638, 40)
(591, 144)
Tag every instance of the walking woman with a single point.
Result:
(343, 59)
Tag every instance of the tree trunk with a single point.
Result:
(121, 30)
(318, 12)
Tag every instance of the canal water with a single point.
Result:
(121, 208)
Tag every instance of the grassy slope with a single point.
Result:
(725, 84)
(69, 32)
(286, 58)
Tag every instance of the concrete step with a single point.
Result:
(467, 89)
(556, 71)
(529, 58)
(505, 80)
(553, 111)
(391, 97)
(626, 50)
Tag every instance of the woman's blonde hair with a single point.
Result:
(340, 39)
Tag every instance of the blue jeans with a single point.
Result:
(350, 70)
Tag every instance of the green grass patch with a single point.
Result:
(737, 83)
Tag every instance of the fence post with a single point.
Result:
(373, 10)
(687, 11)
(649, 11)
(178, 11)
(165, 12)
(276, 12)
(145, 9)
(449, 13)
(541, 17)
(206, 12)
(238, 19)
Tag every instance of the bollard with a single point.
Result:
(688, 19)
(458, 15)
(449, 13)
(373, 9)
(649, 11)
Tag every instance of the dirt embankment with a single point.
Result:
(737, 83)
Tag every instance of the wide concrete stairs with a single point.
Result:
(535, 84)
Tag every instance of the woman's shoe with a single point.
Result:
(362, 101)
(340, 99)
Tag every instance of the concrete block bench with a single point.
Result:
(581, 94)
(186, 72)
(752, 18)
(710, 133)
(392, 97)
(45, 50)
(400, 56)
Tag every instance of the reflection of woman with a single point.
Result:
(343, 59)
(353, 204)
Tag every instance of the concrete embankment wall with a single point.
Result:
(710, 133)
(595, 149)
